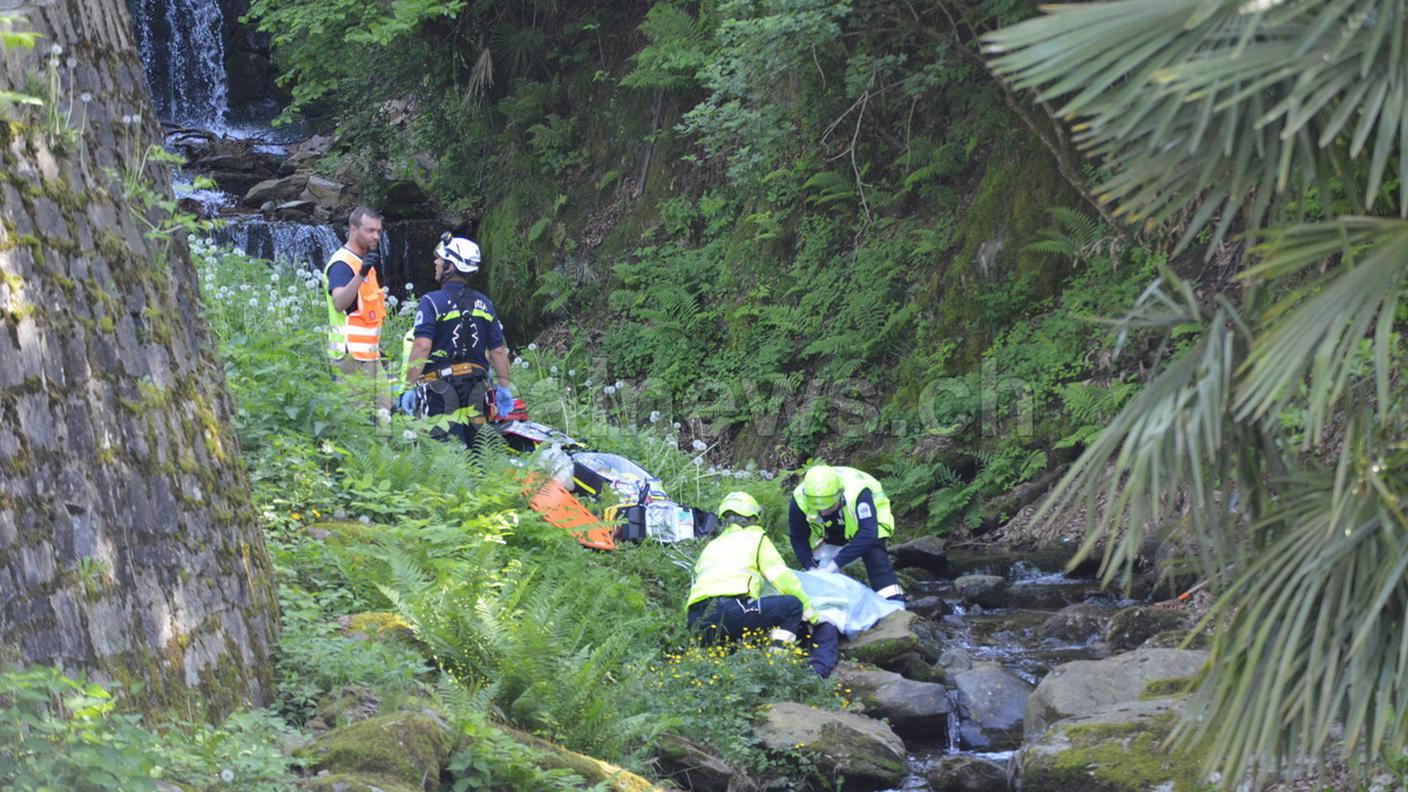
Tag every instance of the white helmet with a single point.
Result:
(461, 252)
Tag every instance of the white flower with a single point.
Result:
(699, 445)
(571, 372)
(392, 302)
(210, 242)
(364, 520)
(71, 62)
(56, 50)
(533, 347)
(699, 460)
(410, 287)
(127, 120)
(655, 416)
(620, 385)
(383, 415)
(740, 474)
(253, 302)
(609, 390)
(227, 775)
(85, 97)
(671, 439)
(553, 370)
(676, 424)
(409, 434)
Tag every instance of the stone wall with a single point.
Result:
(128, 544)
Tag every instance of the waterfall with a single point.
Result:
(183, 55)
(301, 243)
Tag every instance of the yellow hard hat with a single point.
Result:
(740, 503)
(821, 488)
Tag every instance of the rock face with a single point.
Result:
(1082, 686)
(128, 545)
(917, 711)
(1116, 748)
(987, 590)
(1131, 627)
(1075, 624)
(966, 774)
(862, 752)
(991, 705)
(926, 552)
(890, 638)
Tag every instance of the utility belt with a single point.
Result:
(453, 370)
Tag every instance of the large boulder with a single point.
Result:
(861, 751)
(992, 703)
(697, 769)
(326, 192)
(890, 638)
(917, 711)
(1083, 686)
(287, 188)
(987, 590)
(1075, 624)
(357, 782)
(1115, 748)
(926, 552)
(963, 773)
(409, 748)
(1131, 627)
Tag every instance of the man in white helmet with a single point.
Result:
(457, 338)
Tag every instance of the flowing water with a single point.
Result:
(183, 55)
(1008, 636)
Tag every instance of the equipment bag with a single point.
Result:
(605, 475)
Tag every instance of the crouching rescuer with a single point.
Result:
(838, 515)
(725, 600)
(457, 337)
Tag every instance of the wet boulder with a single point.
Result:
(992, 704)
(926, 552)
(990, 591)
(917, 711)
(1115, 748)
(1082, 686)
(929, 607)
(955, 659)
(964, 773)
(862, 752)
(326, 192)
(1132, 626)
(891, 637)
(1075, 624)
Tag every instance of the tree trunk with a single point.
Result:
(128, 544)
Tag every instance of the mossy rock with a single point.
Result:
(345, 532)
(890, 638)
(378, 625)
(863, 753)
(358, 782)
(1119, 748)
(408, 747)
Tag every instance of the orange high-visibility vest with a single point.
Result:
(359, 332)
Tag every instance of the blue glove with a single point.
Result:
(410, 402)
(503, 402)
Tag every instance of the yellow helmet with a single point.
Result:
(740, 503)
(821, 488)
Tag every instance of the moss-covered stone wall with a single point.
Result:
(128, 544)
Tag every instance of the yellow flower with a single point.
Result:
(296, 516)
(317, 513)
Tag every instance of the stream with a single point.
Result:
(1008, 636)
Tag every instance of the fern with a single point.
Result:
(1076, 236)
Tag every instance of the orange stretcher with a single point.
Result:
(561, 509)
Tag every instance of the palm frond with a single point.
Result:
(1211, 107)
(1313, 640)
(1316, 330)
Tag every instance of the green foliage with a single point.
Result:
(679, 47)
(714, 694)
(1271, 441)
(58, 733)
(15, 39)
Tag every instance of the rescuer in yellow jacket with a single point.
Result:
(728, 579)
